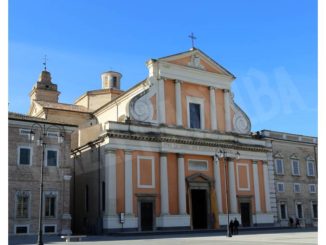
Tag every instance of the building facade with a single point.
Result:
(152, 159)
(296, 176)
(25, 159)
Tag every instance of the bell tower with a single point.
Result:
(44, 89)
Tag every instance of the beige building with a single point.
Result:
(25, 159)
(296, 176)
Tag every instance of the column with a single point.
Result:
(110, 182)
(128, 183)
(181, 185)
(267, 190)
(161, 101)
(227, 110)
(213, 108)
(164, 185)
(178, 109)
(232, 190)
(217, 176)
(256, 187)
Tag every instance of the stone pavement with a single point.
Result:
(283, 237)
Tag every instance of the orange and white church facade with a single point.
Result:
(173, 152)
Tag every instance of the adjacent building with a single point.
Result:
(25, 159)
(296, 176)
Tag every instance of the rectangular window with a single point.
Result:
(49, 229)
(194, 110)
(21, 229)
(283, 211)
(312, 188)
(295, 167)
(280, 187)
(311, 168)
(198, 165)
(52, 158)
(314, 211)
(299, 210)
(50, 205)
(279, 166)
(24, 157)
(52, 134)
(296, 188)
(24, 131)
(22, 203)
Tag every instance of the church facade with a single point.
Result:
(173, 152)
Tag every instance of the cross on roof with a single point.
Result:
(44, 63)
(192, 39)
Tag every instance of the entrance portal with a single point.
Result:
(199, 208)
(245, 213)
(146, 215)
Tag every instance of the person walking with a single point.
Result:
(231, 225)
(236, 226)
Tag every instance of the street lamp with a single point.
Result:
(43, 133)
(227, 156)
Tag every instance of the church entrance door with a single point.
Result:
(199, 208)
(245, 213)
(146, 215)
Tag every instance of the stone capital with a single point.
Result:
(163, 154)
(179, 155)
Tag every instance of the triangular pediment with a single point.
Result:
(278, 155)
(199, 178)
(197, 59)
(294, 156)
(309, 158)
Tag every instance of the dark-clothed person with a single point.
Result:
(231, 225)
(235, 226)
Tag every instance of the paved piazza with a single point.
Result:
(286, 238)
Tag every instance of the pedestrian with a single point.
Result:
(297, 223)
(231, 225)
(236, 226)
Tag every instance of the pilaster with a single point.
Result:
(227, 109)
(161, 101)
(181, 185)
(128, 183)
(164, 185)
(110, 182)
(217, 176)
(178, 105)
(256, 187)
(233, 196)
(213, 108)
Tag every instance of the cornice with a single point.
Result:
(165, 138)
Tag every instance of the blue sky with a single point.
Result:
(270, 46)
